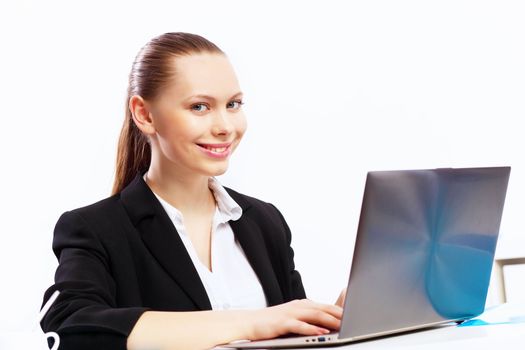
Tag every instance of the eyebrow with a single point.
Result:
(207, 97)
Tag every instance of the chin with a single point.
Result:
(217, 170)
(220, 172)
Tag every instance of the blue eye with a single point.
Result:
(197, 107)
(235, 104)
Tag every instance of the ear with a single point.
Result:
(141, 114)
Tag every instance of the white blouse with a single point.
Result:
(233, 284)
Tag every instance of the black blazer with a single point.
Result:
(122, 256)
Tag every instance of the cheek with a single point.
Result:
(175, 136)
(180, 129)
(241, 125)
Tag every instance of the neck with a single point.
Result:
(189, 193)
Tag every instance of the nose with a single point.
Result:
(222, 125)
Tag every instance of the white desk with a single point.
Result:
(493, 337)
(506, 330)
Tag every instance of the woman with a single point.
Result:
(173, 259)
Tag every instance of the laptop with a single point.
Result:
(423, 253)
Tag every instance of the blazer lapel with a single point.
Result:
(250, 237)
(162, 240)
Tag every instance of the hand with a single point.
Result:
(341, 300)
(303, 317)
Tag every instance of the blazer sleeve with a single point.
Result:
(85, 314)
(296, 290)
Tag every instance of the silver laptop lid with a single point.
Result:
(424, 248)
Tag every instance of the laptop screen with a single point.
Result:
(424, 248)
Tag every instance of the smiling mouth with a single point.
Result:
(217, 149)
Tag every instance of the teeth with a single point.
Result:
(216, 150)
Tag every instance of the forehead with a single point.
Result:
(206, 73)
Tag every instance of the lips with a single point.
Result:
(219, 150)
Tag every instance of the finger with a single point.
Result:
(320, 318)
(341, 299)
(304, 328)
(314, 313)
(333, 310)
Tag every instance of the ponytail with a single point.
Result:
(133, 154)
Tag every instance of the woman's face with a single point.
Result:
(198, 119)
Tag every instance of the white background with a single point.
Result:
(332, 89)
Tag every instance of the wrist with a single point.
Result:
(247, 323)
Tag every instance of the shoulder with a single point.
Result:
(98, 221)
(98, 211)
